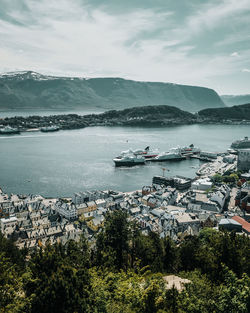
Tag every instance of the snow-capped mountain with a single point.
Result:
(28, 89)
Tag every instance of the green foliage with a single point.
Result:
(10, 282)
(170, 257)
(123, 273)
(149, 250)
(59, 279)
(112, 244)
(217, 178)
(234, 294)
(126, 292)
(240, 112)
(231, 178)
(10, 251)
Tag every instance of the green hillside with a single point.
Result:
(127, 271)
(29, 90)
(236, 112)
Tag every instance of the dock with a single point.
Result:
(216, 167)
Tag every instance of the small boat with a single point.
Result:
(49, 129)
(7, 130)
(173, 154)
(232, 151)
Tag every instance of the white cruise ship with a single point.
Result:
(190, 149)
(129, 160)
(241, 144)
(173, 154)
(147, 153)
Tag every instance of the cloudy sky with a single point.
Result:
(195, 42)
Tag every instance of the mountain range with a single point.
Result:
(31, 90)
(230, 100)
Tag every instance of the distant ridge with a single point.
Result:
(230, 100)
(31, 90)
(236, 112)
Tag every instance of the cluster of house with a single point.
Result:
(32, 221)
(171, 207)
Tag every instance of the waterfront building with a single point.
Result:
(244, 160)
(178, 182)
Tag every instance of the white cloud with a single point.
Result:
(69, 38)
(212, 14)
(246, 70)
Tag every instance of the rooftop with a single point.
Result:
(244, 223)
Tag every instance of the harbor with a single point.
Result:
(215, 163)
(59, 163)
(171, 205)
(141, 156)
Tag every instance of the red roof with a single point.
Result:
(244, 223)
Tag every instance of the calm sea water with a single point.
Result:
(61, 163)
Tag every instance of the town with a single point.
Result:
(218, 197)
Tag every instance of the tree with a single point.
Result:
(187, 252)
(149, 250)
(112, 244)
(217, 178)
(58, 280)
(10, 284)
(170, 258)
(234, 295)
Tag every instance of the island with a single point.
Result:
(146, 116)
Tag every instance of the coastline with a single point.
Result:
(75, 121)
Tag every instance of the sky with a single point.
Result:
(192, 42)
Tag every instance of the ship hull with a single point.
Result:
(49, 130)
(169, 159)
(146, 156)
(241, 146)
(127, 163)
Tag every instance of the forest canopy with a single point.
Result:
(123, 272)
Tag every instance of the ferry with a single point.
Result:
(147, 153)
(173, 154)
(129, 160)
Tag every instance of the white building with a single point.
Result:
(67, 210)
(8, 225)
(202, 184)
